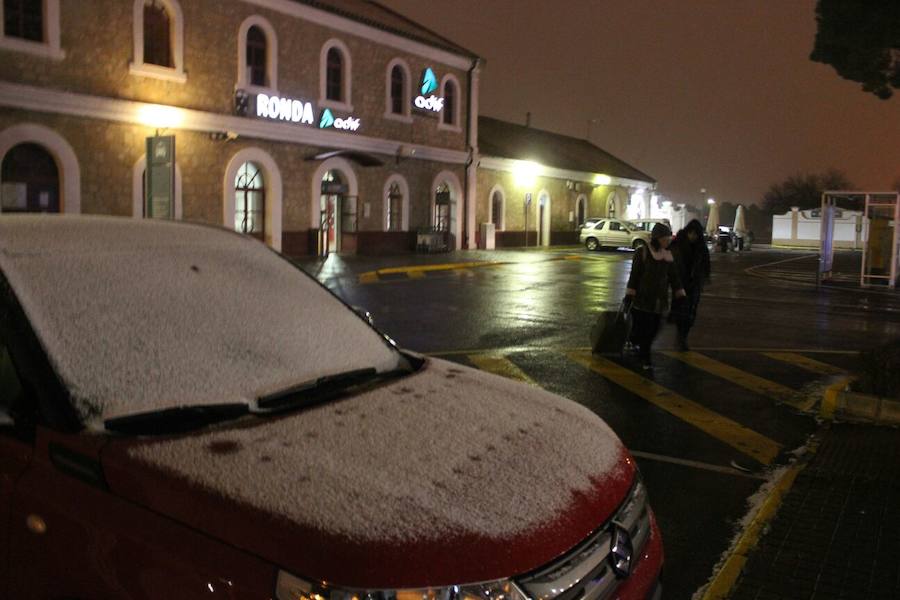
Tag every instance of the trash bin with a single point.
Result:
(487, 236)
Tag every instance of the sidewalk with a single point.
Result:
(837, 532)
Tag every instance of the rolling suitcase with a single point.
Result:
(611, 330)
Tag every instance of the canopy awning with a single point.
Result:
(361, 158)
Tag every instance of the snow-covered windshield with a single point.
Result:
(140, 316)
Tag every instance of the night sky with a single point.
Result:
(716, 94)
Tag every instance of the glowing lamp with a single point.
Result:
(526, 173)
(602, 179)
(159, 116)
(710, 200)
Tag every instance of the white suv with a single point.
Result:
(614, 233)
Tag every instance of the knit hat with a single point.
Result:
(660, 230)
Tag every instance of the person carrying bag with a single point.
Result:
(653, 273)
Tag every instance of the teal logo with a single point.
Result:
(429, 82)
(327, 119)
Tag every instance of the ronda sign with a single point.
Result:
(298, 111)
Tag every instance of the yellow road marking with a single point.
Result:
(440, 267)
(370, 277)
(500, 365)
(754, 383)
(722, 582)
(415, 274)
(806, 363)
(830, 398)
(720, 427)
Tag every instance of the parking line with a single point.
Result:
(748, 381)
(747, 441)
(695, 464)
(500, 365)
(806, 363)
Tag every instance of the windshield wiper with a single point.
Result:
(322, 389)
(178, 419)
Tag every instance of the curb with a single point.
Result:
(840, 403)
(727, 574)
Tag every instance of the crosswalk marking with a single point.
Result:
(806, 363)
(499, 365)
(754, 383)
(745, 440)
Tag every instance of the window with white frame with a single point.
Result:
(398, 103)
(257, 56)
(450, 91)
(394, 208)
(158, 40)
(249, 200)
(31, 26)
(157, 34)
(24, 19)
(257, 63)
(497, 210)
(335, 73)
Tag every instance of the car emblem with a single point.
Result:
(621, 552)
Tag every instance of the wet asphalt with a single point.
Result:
(534, 310)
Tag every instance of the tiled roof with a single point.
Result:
(503, 139)
(375, 15)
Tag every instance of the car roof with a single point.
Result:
(139, 315)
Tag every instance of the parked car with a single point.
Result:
(647, 224)
(614, 233)
(186, 414)
(724, 239)
(589, 223)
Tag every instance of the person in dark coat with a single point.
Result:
(653, 273)
(692, 258)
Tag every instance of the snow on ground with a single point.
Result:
(446, 450)
(139, 315)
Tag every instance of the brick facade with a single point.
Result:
(97, 38)
(563, 195)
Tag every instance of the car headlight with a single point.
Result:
(290, 587)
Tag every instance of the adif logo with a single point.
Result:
(328, 120)
(429, 85)
(429, 82)
(285, 109)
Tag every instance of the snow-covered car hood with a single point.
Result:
(446, 476)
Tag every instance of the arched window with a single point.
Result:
(249, 200)
(394, 208)
(398, 90)
(256, 57)
(157, 34)
(334, 76)
(30, 180)
(450, 99)
(24, 19)
(497, 209)
(442, 207)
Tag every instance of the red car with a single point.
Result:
(185, 414)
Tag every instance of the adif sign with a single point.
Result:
(285, 109)
(427, 100)
(347, 123)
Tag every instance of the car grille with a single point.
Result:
(586, 573)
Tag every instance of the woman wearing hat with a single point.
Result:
(653, 273)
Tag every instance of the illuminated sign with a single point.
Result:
(298, 111)
(328, 120)
(284, 109)
(427, 100)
